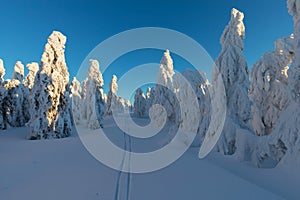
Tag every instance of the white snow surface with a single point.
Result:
(63, 169)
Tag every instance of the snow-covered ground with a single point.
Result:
(63, 169)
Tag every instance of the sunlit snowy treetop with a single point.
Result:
(294, 10)
(18, 73)
(53, 58)
(94, 72)
(294, 7)
(285, 48)
(32, 67)
(235, 30)
(167, 62)
(113, 84)
(2, 70)
(32, 70)
(75, 86)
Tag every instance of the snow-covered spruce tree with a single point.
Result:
(2, 96)
(149, 99)
(269, 82)
(76, 100)
(83, 96)
(50, 117)
(29, 82)
(16, 104)
(232, 66)
(164, 91)
(2, 71)
(115, 104)
(139, 103)
(18, 73)
(283, 144)
(149, 93)
(112, 94)
(198, 95)
(94, 99)
(105, 97)
(100, 105)
(65, 120)
(32, 70)
(123, 105)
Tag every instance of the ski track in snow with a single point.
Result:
(129, 177)
(124, 177)
(119, 173)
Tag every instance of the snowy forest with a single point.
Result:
(262, 123)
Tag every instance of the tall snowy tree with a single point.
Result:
(269, 82)
(112, 95)
(2, 71)
(139, 103)
(149, 93)
(164, 91)
(149, 99)
(192, 88)
(32, 70)
(83, 96)
(115, 104)
(2, 96)
(50, 117)
(29, 82)
(94, 100)
(123, 105)
(283, 144)
(232, 66)
(76, 100)
(18, 72)
(16, 104)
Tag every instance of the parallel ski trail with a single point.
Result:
(129, 177)
(117, 190)
(125, 178)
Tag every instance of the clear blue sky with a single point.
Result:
(25, 25)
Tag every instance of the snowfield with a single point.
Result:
(63, 169)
